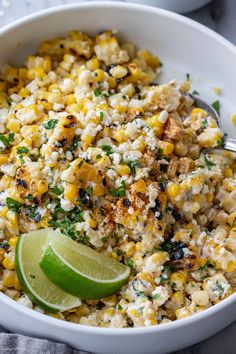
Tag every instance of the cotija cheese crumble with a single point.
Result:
(93, 145)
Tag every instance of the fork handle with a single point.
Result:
(230, 144)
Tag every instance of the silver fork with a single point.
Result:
(229, 143)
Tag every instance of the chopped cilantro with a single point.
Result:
(119, 307)
(205, 123)
(22, 150)
(13, 204)
(120, 191)
(50, 124)
(4, 140)
(133, 166)
(56, 190)
(11, 137)
(98, 157)
(208, 162)
(155, 296)
(101, 115)
(173, 285)
(216, 106)
(81, 163)
(195, 92)
(75, 143)
(97, 93)
(221, 143)
(108, 149)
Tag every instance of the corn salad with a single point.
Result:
(92, 145)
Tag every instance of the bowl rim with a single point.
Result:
(60, 324)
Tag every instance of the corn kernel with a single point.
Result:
(167, 148)
(198, 112)
(103, 162)
(70, 193)
(120, 136)
(99, 190)
(173, 190)
(123, 170)
(139, 186)
(234, 119)
(3, 159)
(13, 241)
(228, 173)
(93, 64)
(8, 263)
(42, 186)
(8, 278)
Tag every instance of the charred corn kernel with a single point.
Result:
(8, 263)
(99, 75)
(16, 283)
(118, 71)
(167, 148)
(120, 136)
(110, 301)
(3, 159)
(70, 99)
(12, 242)
(93, 64)
(198, 112)
(173, 190)
(71, 192)
(8, 278)
(178, 279)
(123, 170)
(139, 186)
(42, 186)
(103, 162)
(234, 119)
(99, 190)
(228, 173)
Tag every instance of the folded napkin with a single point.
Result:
(19, 344)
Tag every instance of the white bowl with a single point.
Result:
(184, 47)
(180, 6)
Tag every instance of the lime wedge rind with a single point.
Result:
(41, 292)
(63, 273)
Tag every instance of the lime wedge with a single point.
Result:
(36, 285)
(81, 271)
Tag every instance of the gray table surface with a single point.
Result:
(220, 15)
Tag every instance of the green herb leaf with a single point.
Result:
(205, 123)
(75, 143)
(108, 149)
(22, 150)
(4, 140)
(208, 162)
(50, 124)
(101, 115)
(97, 93)
(216, 106)
(56, 190)
(221, 143)
(11, 137)
(81, 163)
(133, 166)
(13, 204)
(120, 191)
(155, 296)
